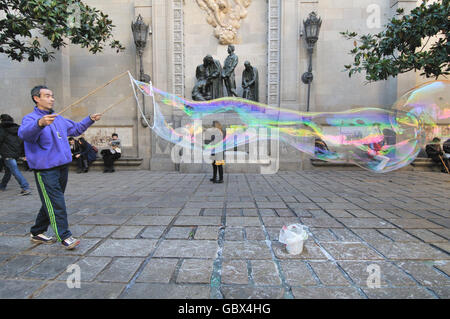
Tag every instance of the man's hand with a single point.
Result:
(47, 120)
(96, 117)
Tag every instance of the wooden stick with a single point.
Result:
(91, 93)
(443, 163)
(112, 105)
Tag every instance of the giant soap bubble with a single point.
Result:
(429, 102)
(380, 140)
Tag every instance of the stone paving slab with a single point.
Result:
(410, 251)
(19, 289)
(443, 246)
(398, 293)
(59, 290)
(243, 221)
(187, 248)
(264, 272)
(14, 245)
(50, 268)
(172, 235)
(125, 247)
(407, 223)
(158, 270)
(91, 267)
(246, 250)
(17, 266)
(235, 272)
(351, 251)
(195, 271)
(120, 269)
(297, 273)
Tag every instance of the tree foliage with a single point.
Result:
(402, 46)
(59, 21)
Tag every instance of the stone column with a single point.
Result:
(273, 52)
(144, 138)
(274, 44)
(293, 62)
(168, 71)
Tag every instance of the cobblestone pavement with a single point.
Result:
(169, 235)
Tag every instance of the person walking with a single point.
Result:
(11, 148)
(48, 153)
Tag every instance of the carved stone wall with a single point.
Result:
(273, 50)
(178, 47)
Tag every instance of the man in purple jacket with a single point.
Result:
(48, 154)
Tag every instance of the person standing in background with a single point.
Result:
(11, 148)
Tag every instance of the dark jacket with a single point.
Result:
(434, 150)
(88, 152)
(75, 149)
(447, 146)
(11, 146)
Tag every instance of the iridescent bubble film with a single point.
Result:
(430, 103)
(376, 139)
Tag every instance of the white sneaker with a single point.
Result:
(70, 243)
(42, 239)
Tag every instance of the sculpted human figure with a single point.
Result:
(250, 82)
(215, 9)
(228, 71)
(201, 90)
(214, 80)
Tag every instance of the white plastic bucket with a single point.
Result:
(294, 237)
(294, 246)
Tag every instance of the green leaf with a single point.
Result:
(50, 17)
(400, 47)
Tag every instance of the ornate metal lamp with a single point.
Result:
(312, 28)
(141, 30)
(140, 35)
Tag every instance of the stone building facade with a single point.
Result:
(269, 37)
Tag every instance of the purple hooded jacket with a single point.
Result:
(48, 147)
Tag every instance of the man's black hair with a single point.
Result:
(114, 134)
(36, 91)
(71, 139)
